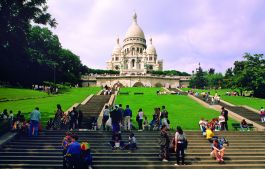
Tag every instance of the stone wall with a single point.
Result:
(131, 81)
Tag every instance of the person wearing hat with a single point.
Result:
(86, 156)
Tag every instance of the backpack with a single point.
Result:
(183, 138)
(223, 141)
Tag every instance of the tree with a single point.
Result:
(228, 78)
(16, 17)
(250, 74)
(211, 71)
(198, 80)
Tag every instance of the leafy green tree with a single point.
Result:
(16, 17)
(198, 80)
(250, 74)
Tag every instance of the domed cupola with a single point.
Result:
(150, 48)
(134, 33)
(117, 49)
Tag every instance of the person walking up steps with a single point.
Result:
(35, 117)
(164, 144)
(127, 118)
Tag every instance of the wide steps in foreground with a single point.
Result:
(246, 150)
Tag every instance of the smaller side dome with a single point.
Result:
(150, 48)
(117, 49)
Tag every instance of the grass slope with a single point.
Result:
(253, 102)
(182, 110)
(47, 105)
(16, 94)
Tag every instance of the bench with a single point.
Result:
(138, 93)
(237, 126)
(126, 93)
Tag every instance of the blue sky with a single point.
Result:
(184, 32)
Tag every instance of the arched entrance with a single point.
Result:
(138, 84)
(158, 85)
(118, 85)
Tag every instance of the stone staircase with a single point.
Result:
(92, 109)
(242, 111)
(246, 113)
(246, 150)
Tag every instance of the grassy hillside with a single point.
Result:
(182, 110)
(47, 104)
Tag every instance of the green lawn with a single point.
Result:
(47, 105)
(253, 102)
(182, 110)
(16, 94)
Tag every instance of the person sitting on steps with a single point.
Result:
(217, 151)
(116, 141)
(244, 125)
(132, 143)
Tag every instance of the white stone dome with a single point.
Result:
(134, 30)
(117, 48)
(150, 48)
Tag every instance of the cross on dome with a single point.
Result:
(151, 41)
(135, 17)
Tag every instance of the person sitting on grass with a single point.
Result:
(244, 125)
(132, 143)
(217, 151)
(116, 141)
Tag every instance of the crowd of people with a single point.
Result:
(71, 120)
(76, 155)
(45, 88)
(31, 127)
(117, 118)
(218, 145)
(216, 124)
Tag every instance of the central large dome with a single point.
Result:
(134, 30)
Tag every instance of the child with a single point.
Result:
(86, 156)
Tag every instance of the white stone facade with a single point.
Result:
(134, 57)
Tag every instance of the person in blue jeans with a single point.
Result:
(35, 117)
